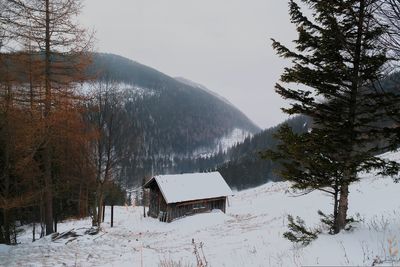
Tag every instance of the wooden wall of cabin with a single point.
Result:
(177, 210)
(154, 203)
(157, 202)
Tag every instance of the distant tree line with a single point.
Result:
(245, 168)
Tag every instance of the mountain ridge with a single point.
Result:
(204, 88)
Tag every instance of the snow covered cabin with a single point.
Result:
(175, 196)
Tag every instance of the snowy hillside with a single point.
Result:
(222, 144)
(250, 234)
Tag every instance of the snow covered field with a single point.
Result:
(250, 234)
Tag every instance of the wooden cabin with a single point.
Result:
(175, 196)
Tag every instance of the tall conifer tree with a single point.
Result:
(336, 61)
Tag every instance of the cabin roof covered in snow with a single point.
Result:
(191, 186)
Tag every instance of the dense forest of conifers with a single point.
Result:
(241, 165)
(245, 168)
(169, 118)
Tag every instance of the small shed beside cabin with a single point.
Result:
(175, 196)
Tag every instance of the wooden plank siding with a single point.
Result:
(181, 209)
(157, 202)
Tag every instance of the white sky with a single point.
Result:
(222, 44)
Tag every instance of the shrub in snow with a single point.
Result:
(327, 220)
(298, 232)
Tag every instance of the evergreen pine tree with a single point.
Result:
(336, 61)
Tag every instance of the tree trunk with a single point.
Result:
(82, 201)
(33, 231)
(99, 210)
(55, 222)
(46, 156)
(112, 215)
(48, 212)
(86, 201)
(343, 207)
(2, 238)
(344, 188)
(144, 197)
(94, 210)
(335, 229)
(99, 203)
(14, 234)
(104, 211)
(6, 175)
(41, 211)
(6, 222)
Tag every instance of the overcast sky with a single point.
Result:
(222, 44)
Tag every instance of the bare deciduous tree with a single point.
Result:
(111, 146)
(390, 16)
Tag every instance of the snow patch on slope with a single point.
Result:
(222, 144)
(130, 90)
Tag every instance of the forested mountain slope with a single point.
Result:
(245, 167)
(174, 119)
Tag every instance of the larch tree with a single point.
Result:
(18, 144)
(336, 61)
(54, 35)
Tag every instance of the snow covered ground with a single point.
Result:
(250, 234)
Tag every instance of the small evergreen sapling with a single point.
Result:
(298, 232)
